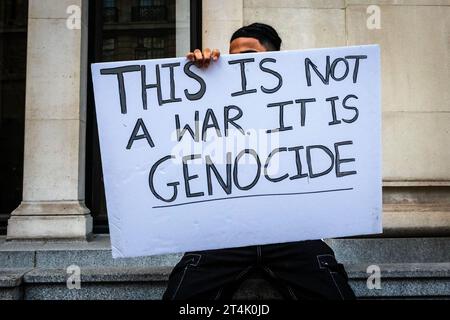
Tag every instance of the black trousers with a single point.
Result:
(303, 270)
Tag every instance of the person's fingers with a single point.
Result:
(190, 56)
(198, 58)
(206, 57)
(203, 59)
(215, 54)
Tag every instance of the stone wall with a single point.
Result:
(414, 36)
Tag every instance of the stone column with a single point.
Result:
(54, 157)
(220, 20)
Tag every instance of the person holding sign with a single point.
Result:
(299, 270)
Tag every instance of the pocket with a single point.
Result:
(327, 261)
(338, 276)
(189, 260)
(192, 259)
(343, 286)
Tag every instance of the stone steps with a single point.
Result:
(98, 253)
(410, 268)
(423, 280)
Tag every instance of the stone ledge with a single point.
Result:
(391, 250)
(424, 280)
(402, 270)
(12, 277)
(17, 259)
(11, 281)
(89, 275)
(138, 274)
(97, 253)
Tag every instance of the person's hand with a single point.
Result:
(203, 59)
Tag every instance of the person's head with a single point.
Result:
(256, 37)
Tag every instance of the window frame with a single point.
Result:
(94, 189)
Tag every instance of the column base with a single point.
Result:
(50, 221)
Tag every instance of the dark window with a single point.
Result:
(13, 55)
(109, 49)
(132, 30)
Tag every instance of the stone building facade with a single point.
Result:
(53, 226)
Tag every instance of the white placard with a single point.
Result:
(286, 147)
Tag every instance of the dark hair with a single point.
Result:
(266, 35)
